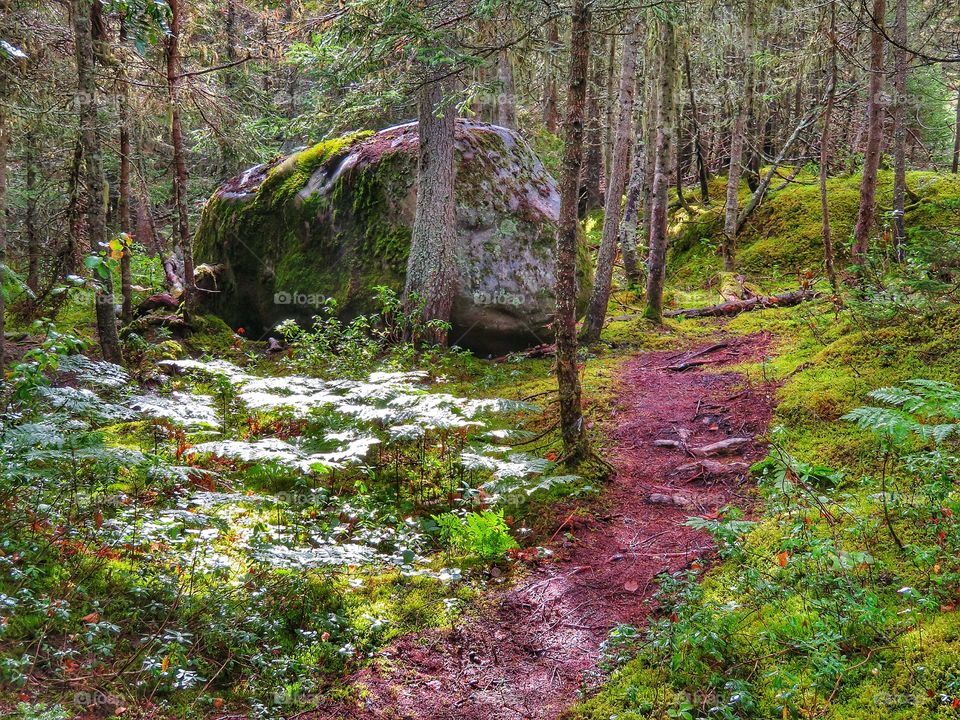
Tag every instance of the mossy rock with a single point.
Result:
(335, 221)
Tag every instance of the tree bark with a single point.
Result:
(4, 145)
(650, 151)
(95, 181)
(572, 425)
(431, 268)
(616, 185)
(657, 257)
(871, 161)
(825, 153)
(123, 203)
(697, 140)
(593, 161)
(631, 205)
(956, 139)
(179, 159)
(737, 142)
(900, 129)
(33, 239)
(550, 86)
(631, 217)
(506, 104)
(609, 129)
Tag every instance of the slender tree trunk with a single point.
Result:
(506, 105)
(681, 164)
(4, 145)
(550, 86)
(572, 425)
(610, 110)
(650, 153)
(900, 130)
(956, 139)
(631, 205)
(179, 160)
(657, 258)
(33, 237)
(732, 206)
(631, 216)
(616, 185)
(825, 153)
(123, 203)
(431, 268)
(737, 142)
(593, 173)
(871, 161)
(95, 181)
(230, 29)
(697, 140)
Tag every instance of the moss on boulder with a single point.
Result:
(335, 221)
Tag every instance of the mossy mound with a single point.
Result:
(785, 234)
(335, 221)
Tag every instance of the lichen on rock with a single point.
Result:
(335, 220)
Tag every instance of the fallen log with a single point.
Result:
(734, 307)
(160, 301)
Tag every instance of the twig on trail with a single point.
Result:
(557, 532)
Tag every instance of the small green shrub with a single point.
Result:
(484, 534)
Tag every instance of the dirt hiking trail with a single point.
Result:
(683, 438)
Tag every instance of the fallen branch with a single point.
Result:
(689, 361)
(734, 307)
(539, 351)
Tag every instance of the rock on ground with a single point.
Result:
(334, 221)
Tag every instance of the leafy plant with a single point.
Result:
(483, 534)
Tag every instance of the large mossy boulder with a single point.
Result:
(335, 221)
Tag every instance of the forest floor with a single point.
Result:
(525, 652)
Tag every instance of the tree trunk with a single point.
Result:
(179, 160)
(550, 86)
(431, 268)
(650, 143)
(871, 161)
(616, 185)
(95, 181)
(123, 203)
(737, 141)
(4, 145)
(631, 206)
(506, 104)
(573, 429)
(33, 238)
(900, 129)
(697, 140)
(956, 139)
(608, 137)
(681, 163)
(657, 258)
(593, 173)
(825, 153)
(231, 30)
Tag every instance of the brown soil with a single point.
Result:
(524, 654)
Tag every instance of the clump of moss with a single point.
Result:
(785, 234)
